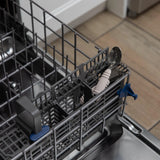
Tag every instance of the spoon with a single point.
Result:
(114, 59)
(7, 49)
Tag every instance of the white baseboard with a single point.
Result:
(75, 9)
(89, 14)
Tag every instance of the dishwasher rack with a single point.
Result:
(64, 98)
(70, 127)
(27, 54)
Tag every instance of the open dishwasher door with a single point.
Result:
(135, 143)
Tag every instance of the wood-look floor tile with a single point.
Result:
(146, 109)
(98, 25)
(150, 21)
(87, 48)
(140, 50)
(156, 131)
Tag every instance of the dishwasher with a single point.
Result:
(55, 108)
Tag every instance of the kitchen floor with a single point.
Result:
(139, 40)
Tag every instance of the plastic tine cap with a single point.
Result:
(127, 91)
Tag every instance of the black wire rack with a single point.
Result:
(63, 98)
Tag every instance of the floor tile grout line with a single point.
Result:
(142, 29)
(154, 125)
(93, 41)
(123, 20)
(126, 19)
(158, 87)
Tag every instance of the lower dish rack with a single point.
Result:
(46, 110)
(71, 121)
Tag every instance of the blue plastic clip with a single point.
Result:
(35, 137)
(127, 91)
